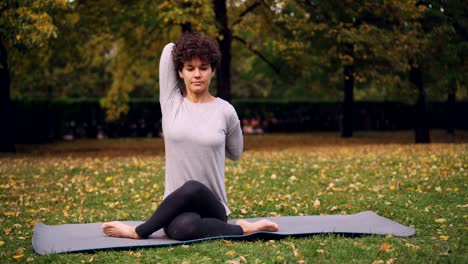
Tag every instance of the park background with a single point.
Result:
(90, 69)
(335, 93)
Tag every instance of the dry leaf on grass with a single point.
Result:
(385, 246)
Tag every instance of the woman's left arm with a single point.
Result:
(234, 139)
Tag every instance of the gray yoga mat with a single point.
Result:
(48, 239)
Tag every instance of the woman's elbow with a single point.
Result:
(233, 156)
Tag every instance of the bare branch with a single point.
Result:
(245, 12)
(256, 52)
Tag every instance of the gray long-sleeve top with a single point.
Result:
(197, 136)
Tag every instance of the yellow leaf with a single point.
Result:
(296, 253)
(440, 220)
(7, 230)
(230, 253)
(385, 246)
(123, 215)
(443, 237)
(316, 204)
(18, 256)
(109, 178)
(413, 247)
(19, 253)
(2, 243)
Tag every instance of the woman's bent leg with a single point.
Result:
(193, 196)
(189, 226)
(193, 202)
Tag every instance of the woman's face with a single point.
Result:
(197, 76)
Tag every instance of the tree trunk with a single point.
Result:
(186, 27)
(348, 100)
(7, 143)
(450, 107)
(421, 127)
(223, 74)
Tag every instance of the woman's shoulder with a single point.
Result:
(228, 110)
(225, 105)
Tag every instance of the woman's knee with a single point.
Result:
(193, 187)
(184, 227)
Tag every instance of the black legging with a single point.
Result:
(190, 212)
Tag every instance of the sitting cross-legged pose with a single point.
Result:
(200, 131)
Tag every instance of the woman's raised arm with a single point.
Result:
(169, 86)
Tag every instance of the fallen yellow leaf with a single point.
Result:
(2, 243)
(7, 230)
(18, 256)
(385, 246)
(296, 253)
(19, 253)
(316, 204)
(440, 220)
(444, 237)
(413, 247)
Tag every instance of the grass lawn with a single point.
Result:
(422, 186)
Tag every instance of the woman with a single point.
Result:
(200, 130)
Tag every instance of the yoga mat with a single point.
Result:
(48, 239)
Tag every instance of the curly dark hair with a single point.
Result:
(195, 45)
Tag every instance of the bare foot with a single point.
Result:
(119, 229)
(260, 225)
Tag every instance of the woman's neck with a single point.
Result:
(199, 98)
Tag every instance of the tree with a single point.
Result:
(447, 24)
(174, 16)
(135, 32)
(112, 52)
(436, 58)
(223, 83)
(23, 25)
(7, 143)
(364, 41)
